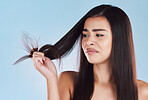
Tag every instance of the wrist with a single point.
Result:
(53, 80)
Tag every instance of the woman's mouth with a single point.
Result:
(91, 51)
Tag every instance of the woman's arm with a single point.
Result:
(61, 89)
(52, 90)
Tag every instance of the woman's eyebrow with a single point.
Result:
(94, 30)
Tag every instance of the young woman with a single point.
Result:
(107, 68)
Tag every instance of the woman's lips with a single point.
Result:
(91, 51)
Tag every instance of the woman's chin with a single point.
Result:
(93, 61)
(96, 61)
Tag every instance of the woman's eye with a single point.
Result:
(99, 35)
(84, 35)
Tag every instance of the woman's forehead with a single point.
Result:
(96, 22)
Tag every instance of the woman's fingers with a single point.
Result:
(39, 56)
(38, 53)
(38, 59)
(44, 65)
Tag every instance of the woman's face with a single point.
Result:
(97, 40)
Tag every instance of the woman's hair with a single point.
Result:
(122, 59)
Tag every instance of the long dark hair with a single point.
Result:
(122, 59)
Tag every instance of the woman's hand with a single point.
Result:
(45, 66)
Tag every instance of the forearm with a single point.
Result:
(52, 90)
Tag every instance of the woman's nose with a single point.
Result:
(90, 41)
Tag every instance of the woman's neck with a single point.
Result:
(102, 74)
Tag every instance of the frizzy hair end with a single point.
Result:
(31, 45)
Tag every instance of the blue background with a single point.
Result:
(50, 20)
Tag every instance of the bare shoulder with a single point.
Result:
(66, 84)
(68, 75)
(142, 90)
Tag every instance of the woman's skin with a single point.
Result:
(96, 35)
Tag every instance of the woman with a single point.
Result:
(107, 60)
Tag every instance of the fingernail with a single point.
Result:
(41, 61)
